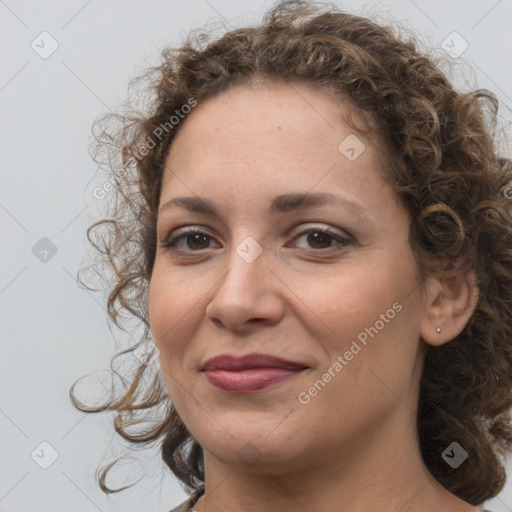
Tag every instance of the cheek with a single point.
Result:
(159, 303)
(168, 309)
(169, 323)
(350, 301)
(371, 322)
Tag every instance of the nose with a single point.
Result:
(248, 293)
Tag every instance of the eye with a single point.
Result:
(319, 239)
(192, 238)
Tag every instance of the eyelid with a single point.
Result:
(193, 228)
(182, 232)
(341, 236)
(334, 232)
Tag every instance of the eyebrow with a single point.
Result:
(279, 204)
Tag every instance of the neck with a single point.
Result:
(386, 473)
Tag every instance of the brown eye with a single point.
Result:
(191, 240)
(321, 239)
(196, 239)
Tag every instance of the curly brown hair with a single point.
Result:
(442, 162)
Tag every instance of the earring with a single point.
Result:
(438, 330)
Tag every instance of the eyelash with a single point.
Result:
(170, 243)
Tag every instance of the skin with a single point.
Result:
(353, 446)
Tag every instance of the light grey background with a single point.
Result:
(54, 332)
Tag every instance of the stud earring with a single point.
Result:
(438, 330)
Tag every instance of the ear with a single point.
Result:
(450, 300)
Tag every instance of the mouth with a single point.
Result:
(251, 380)
(251, 373)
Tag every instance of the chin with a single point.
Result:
(246, 455)
(254, 445)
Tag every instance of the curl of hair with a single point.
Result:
(441, 158)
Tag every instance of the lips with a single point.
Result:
(233, 363)
(250, 373)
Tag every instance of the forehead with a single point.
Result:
(269, 124)
(242, 149)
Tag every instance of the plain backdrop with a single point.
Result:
(54, 332)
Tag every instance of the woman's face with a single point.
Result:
(342, 301)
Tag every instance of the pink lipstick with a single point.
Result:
(250, 373)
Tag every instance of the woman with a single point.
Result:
(312, 224)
